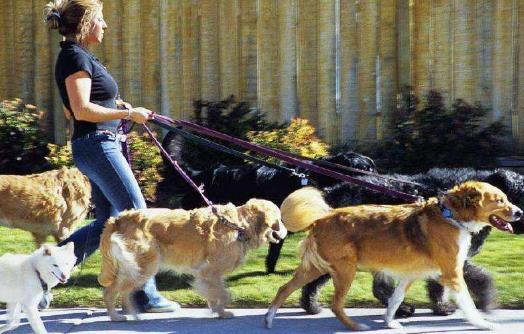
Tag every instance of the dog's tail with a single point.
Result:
(311, 257)
(116, 259)
(302, 208)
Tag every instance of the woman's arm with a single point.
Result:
(78, 86)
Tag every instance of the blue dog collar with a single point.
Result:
(446, 213)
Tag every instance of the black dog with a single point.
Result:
(478, 280)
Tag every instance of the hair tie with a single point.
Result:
(55, 14)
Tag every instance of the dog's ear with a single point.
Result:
(465, 197)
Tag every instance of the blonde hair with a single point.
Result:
(72, 18)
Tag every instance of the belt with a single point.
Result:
(106, 134)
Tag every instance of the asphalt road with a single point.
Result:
(250, 321)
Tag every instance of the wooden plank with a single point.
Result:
(44, 79)
(466, 48)
(441, 35)
(520, 80)
(210, 74)
(386, 95)
(248, 51)
(131, 88)
(421, 47)
(112, 44)
(502, 62)
(404, 42)
(327, 71)
(307, 53)
(174, 61)
(268, 58)
(367, 71)
(24, 51)
(228, 47)
(4, 55)
(349, 67)
(287, 59)
(150, 55)
(485, 33)
(190, 55)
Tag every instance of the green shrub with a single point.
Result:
(23, 144)
(60, 156)
(298, 137)
(146, 163)
(438, 136)
(227, 116)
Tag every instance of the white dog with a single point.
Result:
(24, 279)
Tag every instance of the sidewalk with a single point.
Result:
(86, 321)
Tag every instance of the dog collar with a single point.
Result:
(448, 215)
(44, 285)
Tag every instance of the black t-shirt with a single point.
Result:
(104, 90)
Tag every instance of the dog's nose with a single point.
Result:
(63, 277)
(518, 214)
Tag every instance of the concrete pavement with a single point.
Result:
(187, 320)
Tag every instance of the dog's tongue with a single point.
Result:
(502, 224)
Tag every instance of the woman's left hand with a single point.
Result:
(121, 104)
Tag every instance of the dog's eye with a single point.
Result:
(55, 265)
(500, 201)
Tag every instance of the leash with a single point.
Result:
(284, 156)
(242, 236)
(224, 149)
(221, 148)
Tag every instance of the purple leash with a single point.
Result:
(289, 158)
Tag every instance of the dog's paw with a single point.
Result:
(268, 319)
(487, 325)
(405, 311)
(226, 315)
(361, 327)
(117, 317)
(443, 309)
(394, 324)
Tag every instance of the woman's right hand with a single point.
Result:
(140, 115)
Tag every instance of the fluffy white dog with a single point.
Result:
(24, 279)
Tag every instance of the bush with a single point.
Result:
(146, 163)
(23, 144)
(298, 137)
(227, 116)
(437, 136)
(60, 156)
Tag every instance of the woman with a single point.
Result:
(89, 94)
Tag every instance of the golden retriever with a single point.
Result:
(136, 244)
(48, 203)
(408, 241)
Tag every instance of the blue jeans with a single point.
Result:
(114, 189)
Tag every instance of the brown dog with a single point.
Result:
(408, 241)
(137, 244)
(49, 203)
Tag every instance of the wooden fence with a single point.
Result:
(339, 63)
